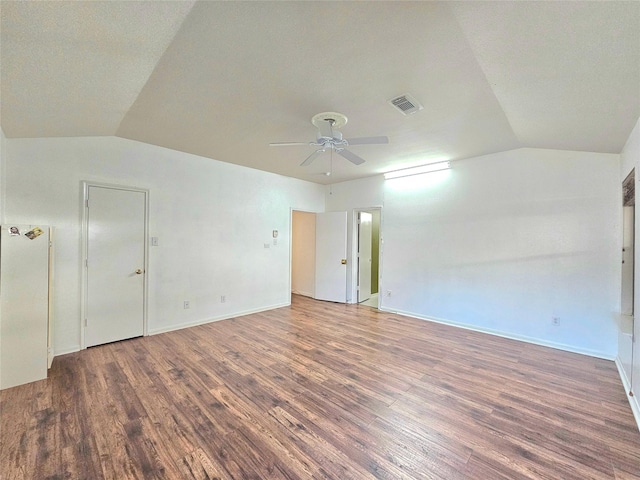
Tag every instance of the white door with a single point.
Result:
(116, 240)
(365, 225)
(331, 256)
(628, 214)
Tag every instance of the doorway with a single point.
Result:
(303, 253)
(366, 248)
(319, 255)
(115, 260)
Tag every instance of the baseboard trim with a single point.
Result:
(633, 401)
(65, 351)
(172, 328)
(76, 348)
(498, 333)
(304, 294)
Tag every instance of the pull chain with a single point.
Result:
(331, 171)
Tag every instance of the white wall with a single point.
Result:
(303, 253)
(630, 159)
(503, 243)
(3, 155)
(212, 220)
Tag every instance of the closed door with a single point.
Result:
(331, 256)
(116, 239)
(365, 222)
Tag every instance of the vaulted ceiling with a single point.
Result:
(224, 79)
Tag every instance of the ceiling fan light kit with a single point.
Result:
(329, 137)
(428, 168)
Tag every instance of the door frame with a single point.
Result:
(85, 248)
(354, 253)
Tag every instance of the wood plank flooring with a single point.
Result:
(321, 390)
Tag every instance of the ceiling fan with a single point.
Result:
(330, 138)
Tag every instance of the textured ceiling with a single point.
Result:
(223, 79)
(75, 68)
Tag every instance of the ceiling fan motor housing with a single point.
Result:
(337, 136)
(328, 122)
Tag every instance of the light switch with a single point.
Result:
(154, 241)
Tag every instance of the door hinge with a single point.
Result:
(85, 322)
(86, 202)
(86, 262)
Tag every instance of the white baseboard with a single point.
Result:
(633, 401)
(65, 351)
(498, 333)
(76, 348)
(156, 331)
(304, 294)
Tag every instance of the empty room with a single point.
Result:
(319, 239)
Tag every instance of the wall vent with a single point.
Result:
(406, 104)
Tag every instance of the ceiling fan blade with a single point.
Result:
(368, 140)
(311, 158)
(352, 157)
(287, 144)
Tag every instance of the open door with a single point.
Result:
(628, 239)
(627, 341)
(331, 256)
(365, 222)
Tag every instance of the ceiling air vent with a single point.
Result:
(406, 104)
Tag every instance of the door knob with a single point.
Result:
(343, 261)
(138, 271)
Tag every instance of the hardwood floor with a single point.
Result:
(321, 390)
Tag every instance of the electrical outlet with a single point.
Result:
(186, 305)
(154, 241)
(223, 298)
(555, 320)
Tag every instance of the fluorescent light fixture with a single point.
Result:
(430, 167)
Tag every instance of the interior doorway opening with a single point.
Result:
(303, 253)
(367, 241)
(319, 255)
